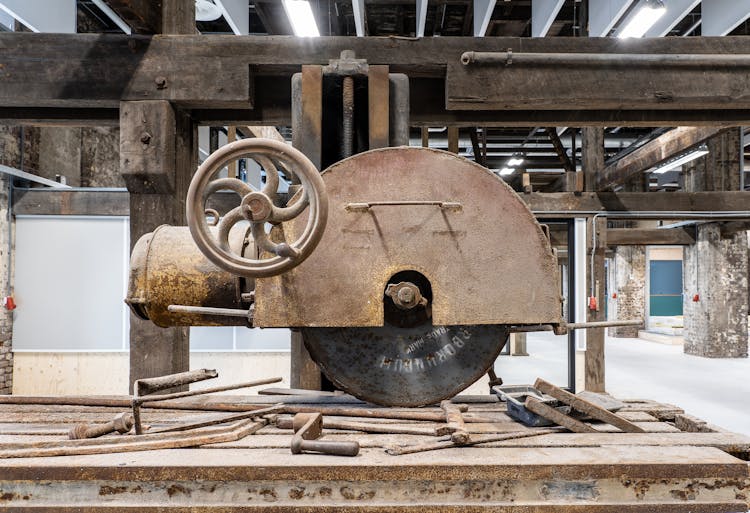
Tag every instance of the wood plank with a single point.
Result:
(584, 406)
(652, 153)
(650, 237)
(378, 91)
(559, 418)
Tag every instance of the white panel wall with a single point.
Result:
(70, 281)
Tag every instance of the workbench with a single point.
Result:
(680, 464)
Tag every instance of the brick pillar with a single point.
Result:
(15, 146)
(630, 287)
(716, 269)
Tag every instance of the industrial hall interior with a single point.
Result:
(338, 256)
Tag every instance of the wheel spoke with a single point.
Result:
(222, 184)
(231, 218)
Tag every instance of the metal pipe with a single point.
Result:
(602, 324)
(207, 310)
(665, 214)
(609, 59)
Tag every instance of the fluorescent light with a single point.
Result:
(507, 171)
(301, 17)
(644, 19)
(515, 161)
(684, 159)
(205, 10)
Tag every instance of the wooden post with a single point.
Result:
(592, 155)
(425, 137)
(594, 373)
(453, 139)
(518, 344)
(592, 146)
(158, 155)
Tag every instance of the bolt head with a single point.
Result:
(406, 295)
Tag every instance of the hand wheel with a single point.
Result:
(257, 207)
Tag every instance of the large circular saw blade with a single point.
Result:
(396, 366)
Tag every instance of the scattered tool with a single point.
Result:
(447, 443)
(546, 411)
(388, 429)
(122, 423)
(277, 408)
(307, 429)
(170, 381)
(455, 421)
(587, 407)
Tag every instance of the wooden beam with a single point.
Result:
(143, 16)
(650, 237)
(730, 228)
(80, 202)
(560, 150)
(544, 204)
(88, 70)
(653, 153)
(453, 139)
(263, 132)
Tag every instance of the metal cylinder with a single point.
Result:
(348, 121)
(167, 268)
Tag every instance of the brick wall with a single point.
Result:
(630, 287)
(716, 269)
(6, 317)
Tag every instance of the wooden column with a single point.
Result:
(592, 146)
(594, 373)
(453, 139)
(158, 154)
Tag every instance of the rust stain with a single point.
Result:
(112, 490)
(175, 489)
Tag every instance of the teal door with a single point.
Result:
(665, 295)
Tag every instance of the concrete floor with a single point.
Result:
(716, 390)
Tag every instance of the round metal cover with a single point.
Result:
(396, 366)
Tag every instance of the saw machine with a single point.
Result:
(404, 268)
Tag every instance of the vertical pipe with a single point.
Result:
(348, 121)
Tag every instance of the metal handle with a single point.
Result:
(364, 206)
(328, 447)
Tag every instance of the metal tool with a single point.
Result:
(459, 434)
(122, 424)
(168, 382)
(388, 429)
(308, 427)
(447, 443)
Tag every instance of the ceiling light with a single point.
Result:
(683, 159)
(507, 171)
(301, 17)
(647, 14)
(516, 159)
(205, 10)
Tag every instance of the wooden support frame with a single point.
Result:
(652, 153)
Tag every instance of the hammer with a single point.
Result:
(307, 429)
(455, 420)
(122, 423)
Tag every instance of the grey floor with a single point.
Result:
(716, 390)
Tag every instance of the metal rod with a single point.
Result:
(447, 205)
(348, 121)
(602, 324)
(31, 178)
(276, 408)
(446, 444)
(509, 58)
(146, 386)
(206, 310)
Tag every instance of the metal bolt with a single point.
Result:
(161, 82)
(122, 423)
(406, 295)
(145, 138)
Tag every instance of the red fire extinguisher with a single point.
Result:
(9, 303)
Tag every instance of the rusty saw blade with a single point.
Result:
(397, 366)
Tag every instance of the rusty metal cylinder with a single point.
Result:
(167, 268)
